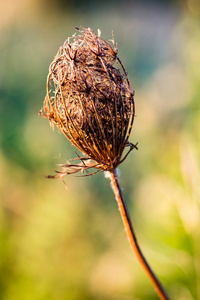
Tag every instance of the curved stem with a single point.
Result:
(132, 237)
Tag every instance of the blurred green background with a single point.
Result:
(70, 244)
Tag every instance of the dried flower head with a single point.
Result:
(90, 101)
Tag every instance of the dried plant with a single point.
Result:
(92, 103)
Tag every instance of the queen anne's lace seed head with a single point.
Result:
(90, 100)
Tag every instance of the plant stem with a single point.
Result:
(132, 237)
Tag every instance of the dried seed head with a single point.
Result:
(90, 100)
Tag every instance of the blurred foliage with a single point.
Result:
(70, 244)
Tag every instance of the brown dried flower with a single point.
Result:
(90, 101)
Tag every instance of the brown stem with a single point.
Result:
(132, 237)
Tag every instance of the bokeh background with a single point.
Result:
(70, 244)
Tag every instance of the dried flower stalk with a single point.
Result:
(92, 103)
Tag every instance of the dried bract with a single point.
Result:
(90, 100)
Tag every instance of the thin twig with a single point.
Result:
(132, 237)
